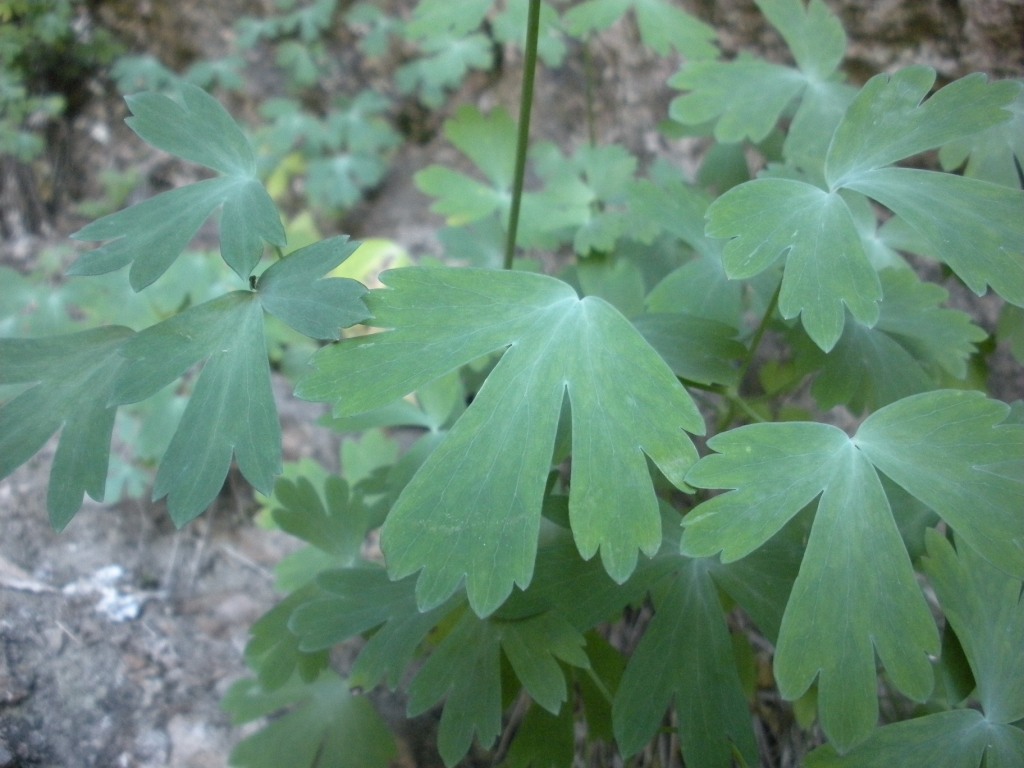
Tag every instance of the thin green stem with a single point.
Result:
(755, 341)
(523, 140)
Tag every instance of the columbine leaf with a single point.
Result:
(984, 607)
(325, 726)
(356, 600)
(71, 378)
(489, 141)
(543, 740)
(989, 154)
(854, 550)
(826, 268)
(152, 234)
(465, 671)
(975, 227)
(888, 120)
(813, 33)
(959, 738)
(336, 527)
(686, 655)
(914, 340)
(952, 451)
(231, 410)
(662, 26)
(292, 289)
(472, 511)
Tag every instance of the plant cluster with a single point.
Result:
(610, 437)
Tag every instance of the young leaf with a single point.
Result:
(325, 726)
(686, 655)
(294, 289)
(662, 26)
(337, 528)
(231, 410)
(71, 379)
(473, 510)
(152, 234)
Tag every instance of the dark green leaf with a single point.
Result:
(295, 290)
(325, 727)
(472, 511)
(71, 380)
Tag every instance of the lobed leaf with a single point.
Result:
(70, 379)
(152, 234)
(472, 511)
(686, 655)
(324, 726)
(984, 607)
(663, 27)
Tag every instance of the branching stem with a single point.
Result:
(523, 140)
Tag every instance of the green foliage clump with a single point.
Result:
(560, 478)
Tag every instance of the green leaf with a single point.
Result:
(957, 738)
(975, 227)
(686, 654)
(325, 726)
(293, 290)
(337, 527)
(71, 378)
(273, 650)
(663, 27)
(952, 451)
(695, 349)
(543, 740)
(984, 607)
(813, 33)
(904, 354)
(465, 671)
(231, 410)
(152, 234)
(887, 121)
(472, 511)
(989, 153)
(352, 601)
(826, 268)
(777, 469)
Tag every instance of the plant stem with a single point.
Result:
(523, 140)
(755, 341)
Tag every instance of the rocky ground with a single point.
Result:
(119, 636)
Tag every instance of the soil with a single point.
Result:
(119, 636)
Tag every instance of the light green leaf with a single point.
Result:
(71, 378)
(686, 655)
(745, 97)
(472, 511)
(231, 410)
(434, 17)
(700, 288)
(152, 234)
(695, 349)
(989, 153)
(951, 450)
(975, 227)
(293, 290)
(959, 739)
(984, 607)
(465, 671)
(325, 726)
(663, 27)
(887, 121)
(813, 33)
(273, 650)
(826, 267)
(334, 523)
